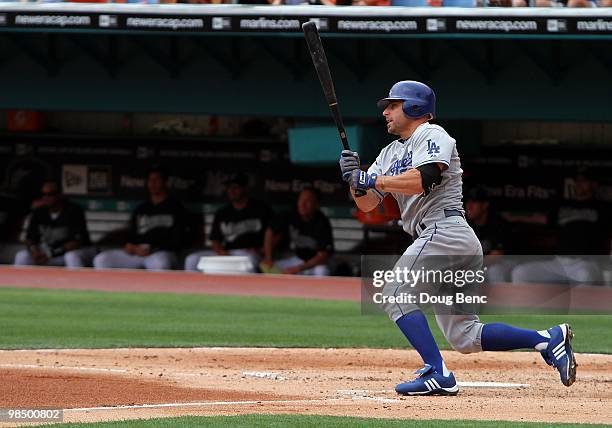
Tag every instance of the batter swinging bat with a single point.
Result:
(313, 40)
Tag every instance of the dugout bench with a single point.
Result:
(107, 222)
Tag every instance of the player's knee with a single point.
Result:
(102, 261)
(159, 262)
(466, 337)
(191, 262)
(586, 274)
(79, 258)
(465, 348)
(321, 270)
(73, 259)
(23, 258)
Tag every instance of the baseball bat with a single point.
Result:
(319, 60)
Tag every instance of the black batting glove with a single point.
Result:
(349, 161)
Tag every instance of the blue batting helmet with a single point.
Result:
(419, 99)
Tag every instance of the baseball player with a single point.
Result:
(422, 170)
(238, 228)
(57, 233)
(157, 230)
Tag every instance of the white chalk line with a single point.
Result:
(34, 366)
(205, 403)
(188, 374)
(492, 385)
(264, 375)
(379, 399)
(364, 394)
(476, 384)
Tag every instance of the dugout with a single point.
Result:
(526, 92)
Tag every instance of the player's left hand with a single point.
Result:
(361, 180)
(349, 161)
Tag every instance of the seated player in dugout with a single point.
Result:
(238, 227)
(157, 230)
(310, 238)
(582, 228)
(57, 233)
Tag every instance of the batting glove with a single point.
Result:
(349, 161)
(361, 180)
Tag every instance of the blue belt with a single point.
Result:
(451, 212)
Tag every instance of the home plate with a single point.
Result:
(492, 385)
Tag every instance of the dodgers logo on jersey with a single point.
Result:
(401, 165)
(432, 149)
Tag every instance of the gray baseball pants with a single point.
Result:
(159, 260)
(434, 249)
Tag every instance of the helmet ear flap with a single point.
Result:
(412, 110)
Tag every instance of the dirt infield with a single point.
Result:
(347, 382)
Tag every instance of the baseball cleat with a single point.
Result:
(560, 354)
(429, 382)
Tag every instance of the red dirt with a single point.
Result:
(65, 389)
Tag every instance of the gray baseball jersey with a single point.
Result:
(442, 236)
(428, 144)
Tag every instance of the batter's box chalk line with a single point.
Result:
(264, 375)
(476, 384)
(492, 385)
(364, 394)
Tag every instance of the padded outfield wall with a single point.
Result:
(495, 63)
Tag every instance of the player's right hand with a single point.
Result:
(349, 161)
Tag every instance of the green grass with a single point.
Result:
(282, 421)
(32, 318)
